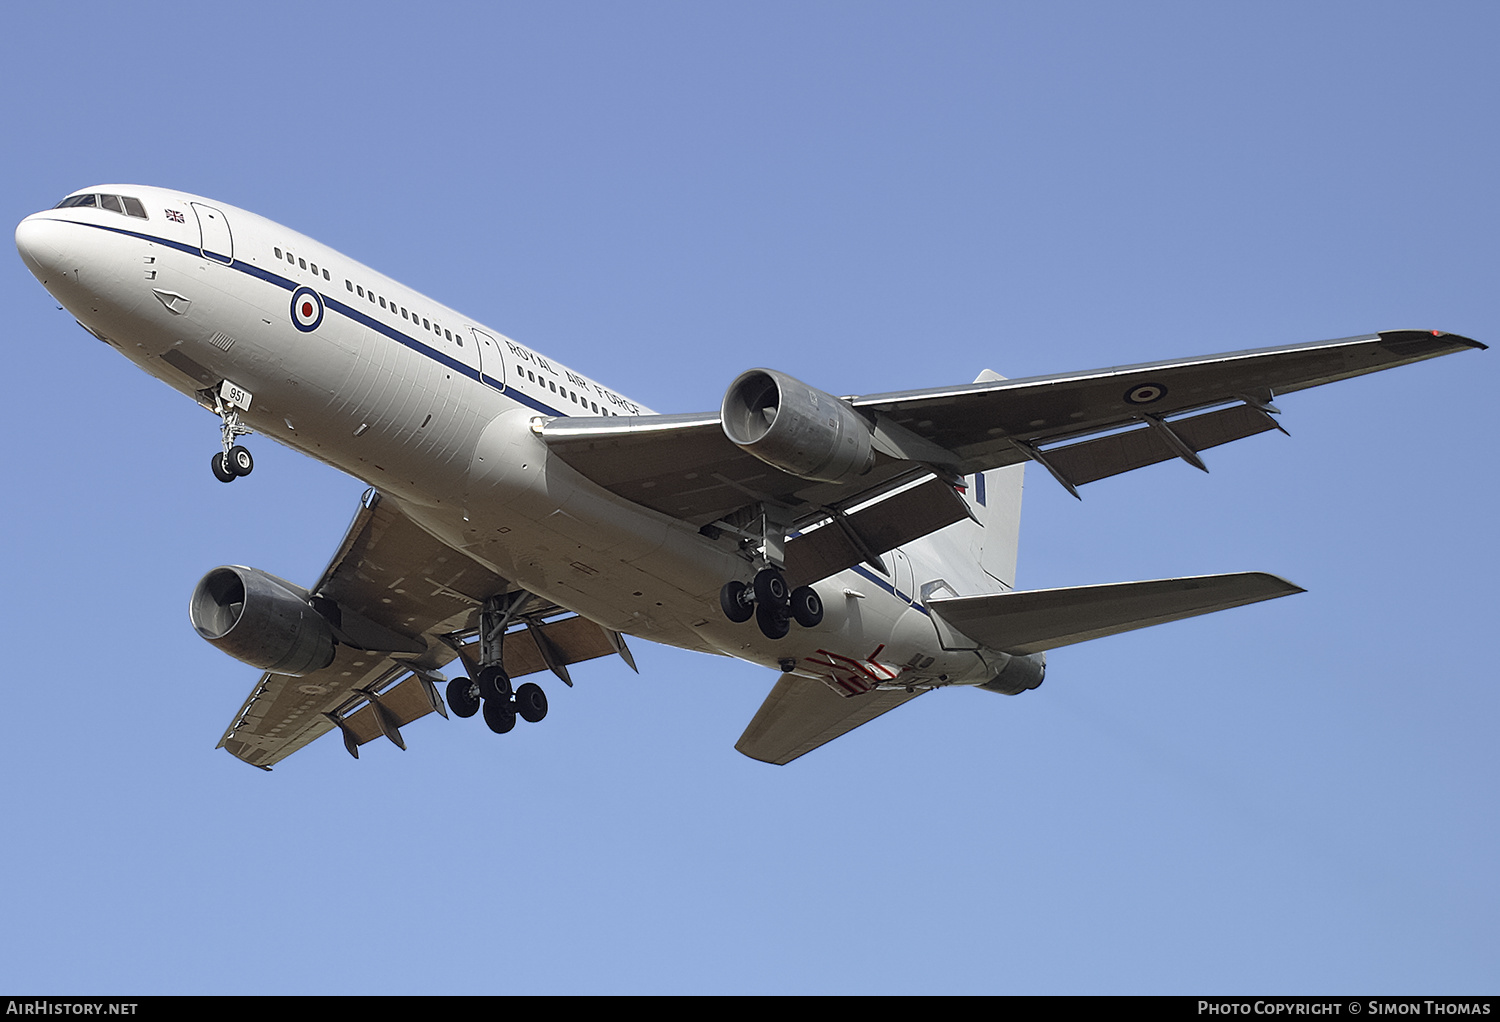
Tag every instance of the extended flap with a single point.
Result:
(871, 528)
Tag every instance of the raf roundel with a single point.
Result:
(307, 309)
(1145, 393)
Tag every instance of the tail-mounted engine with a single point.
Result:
(1020, 674)
(265, 621)
(797, 428)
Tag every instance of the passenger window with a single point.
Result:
(403, 313)
(291, 259)
(426, 325)
(359, 289)
(314, 268)
(325, 275)
(348, 285)
(277, 251)
(302, 263)
(133, 207)
(111, 202)
(531, 376)
(382, 303)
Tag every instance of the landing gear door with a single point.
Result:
(491, 359)
(215, 242)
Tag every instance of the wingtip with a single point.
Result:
(1287, 586)
(1457, 339)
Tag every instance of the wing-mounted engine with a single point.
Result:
(797, 428)
(263, 620)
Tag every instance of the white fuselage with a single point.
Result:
(436, 410)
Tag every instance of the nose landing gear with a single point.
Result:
(233, 461)
(231, 464)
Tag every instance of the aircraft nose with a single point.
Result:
(39, 241)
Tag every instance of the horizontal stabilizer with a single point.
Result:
(801, 714)
(1031, 621)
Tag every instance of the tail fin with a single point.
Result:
(997, 494)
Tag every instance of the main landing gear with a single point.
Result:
(492, 693)
(772, 603)
(489, 690)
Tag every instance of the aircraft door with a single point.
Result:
(215, 241)
(491, 359)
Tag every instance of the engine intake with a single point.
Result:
(797, 428)
(265, 621)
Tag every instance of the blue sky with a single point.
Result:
(1296, 797)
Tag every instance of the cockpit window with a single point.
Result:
(116, 203)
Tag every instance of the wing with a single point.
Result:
(800, 714)
(401, 603)
(1080, 426)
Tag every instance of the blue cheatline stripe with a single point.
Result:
(865, 573)
(464, 368)
(352, 313)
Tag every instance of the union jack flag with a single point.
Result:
(176, 217)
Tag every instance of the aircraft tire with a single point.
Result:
(732, 602)
(807, 606)
(499, 715)
(531, 703)
(240, 462)
(462, 697)
(222, 471)
(494, 685)
(770, 588)
(773, 621)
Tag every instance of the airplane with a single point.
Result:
(522, 517)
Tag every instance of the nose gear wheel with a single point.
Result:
(234, 460)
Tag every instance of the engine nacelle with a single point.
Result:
(265, 621)
(1020, 674)
(797, 428)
